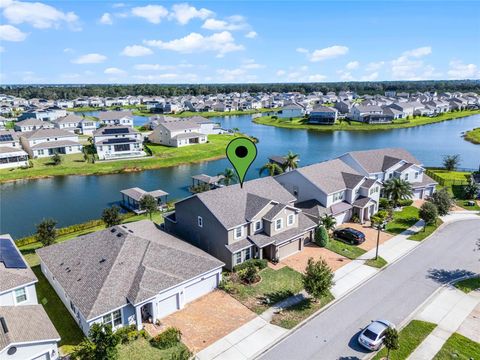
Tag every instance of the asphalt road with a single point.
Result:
(393, 294)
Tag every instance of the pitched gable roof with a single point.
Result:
(379, 160)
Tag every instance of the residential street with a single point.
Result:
(393, 295)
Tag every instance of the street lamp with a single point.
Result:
(380, 227)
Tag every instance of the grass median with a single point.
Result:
(458, 347)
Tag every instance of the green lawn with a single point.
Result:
(402, 220)
(66, 326)
(468, 285)
(295, 314)
(427, 231)
(141, 349)
(275, 285)
(347, 250)
(473, 136)
(301, 123)
(379, 263)
(459, 347)
(409, 338)
(163, 156)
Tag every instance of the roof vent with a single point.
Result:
(4, 325)
(119, 235)
(112, 230)
(102, 260)
(130, 231)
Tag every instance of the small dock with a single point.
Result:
(131, 199)
(204, 182)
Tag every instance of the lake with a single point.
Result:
(75, 199)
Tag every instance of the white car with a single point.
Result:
(372, 336)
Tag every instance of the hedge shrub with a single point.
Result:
(167, 339)
(259, 263)
(321, 236)
(405, 202)
(129, 333)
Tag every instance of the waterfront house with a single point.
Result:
(70, 122)
(26, 332)
(291, 111)
(131, 198)
(87, 126)
(47, 142)
(11, 153)
(117, 142)
(322, 115)
(385, 164)
(370, 114)
(202, 180)
(343, 106)
(128, 274)
(32, 124)
(235, 223)
(45, 114)
(178, 133)
(124, 118)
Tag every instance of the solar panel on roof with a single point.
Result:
(10, 256)
(116, 131)
(7, 137)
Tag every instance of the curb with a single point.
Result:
(337, 300)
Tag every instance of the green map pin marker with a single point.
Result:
(241, 152)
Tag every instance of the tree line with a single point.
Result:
(363, 88)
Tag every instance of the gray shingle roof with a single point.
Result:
(113, 115)
(55, 144)
(274, 211)
(378, 160)
(102, 270)
(180, 125)
(46, 133)
(229, 204)
(26, 323)
(69, 118)
(427, 180)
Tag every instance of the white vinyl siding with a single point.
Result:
(290, 219)
(20, 295)
(278, 224)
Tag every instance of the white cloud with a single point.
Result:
(324, 54)
(418, 52)
(90, 59)
(352, 65)
(115, 71)
(370, 77)
(220, 43)
(316, 77)
(2, 49)
(68, 50)
(410, 66)
(232, 23)
(11, 33)
(158, 67)
(183, 13)
(167, 77)
(374, 66)
(251, 64)
(39, 15)
(459, 70)
(231, 74)
(152, 13)
(136, 50)
(280, 72)
(118, 5)
(106, 19)
(345, 75)
(251, 35)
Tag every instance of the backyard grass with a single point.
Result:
(70, 333)
(473, 136)
(468, 285)
(402, 220)
(347, 250)
(295, 314)
(459, 347)
(163, 156)
(275, 285)
(409, 338)
(301, 123)
(427, 231)
(141, 349)
(379, 263)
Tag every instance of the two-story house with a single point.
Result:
(116, 142)
(177, 133)
(334, 188)
(124, 118)
(323, 115)
(371, 114)
(11, 153)
(235, 224)
(385, 164)
(70, 122)
(32, 124)
(26, 332)
(47, 142)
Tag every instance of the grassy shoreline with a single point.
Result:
(206, 114)
(473, 136)
(299, 123)
(163, 156)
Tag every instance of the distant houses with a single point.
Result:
(323, 115)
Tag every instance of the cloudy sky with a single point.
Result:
(237, 41)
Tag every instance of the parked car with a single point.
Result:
(350, 236)
(372, 336)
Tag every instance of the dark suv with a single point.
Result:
(350, 236)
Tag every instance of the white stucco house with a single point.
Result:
(135, 273)
(124, 118)
(178, 133)
(11, 153)
(47, 142)
(116, 142)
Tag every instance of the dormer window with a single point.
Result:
(258, 225)
(278, 224)
(338, 196)
(290, 219)
(416, 174)
(406, 176)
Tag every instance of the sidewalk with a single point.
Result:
(449, 309)
(258, 334)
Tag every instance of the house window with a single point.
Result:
(200, 221)
(278, 224)
(238, 257)
(258, 225)
(290, 219)
(248, 253)
(416, 175)
(238, 232)
(113, 319)
(390, 175)
(406, 176)
(338, 196)
(20, 295)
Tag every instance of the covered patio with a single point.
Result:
(364, 208)
(131, 198)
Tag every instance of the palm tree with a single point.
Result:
(397, 189)
(229, 177)
(291, 161)
(328, 222)
(271, 169)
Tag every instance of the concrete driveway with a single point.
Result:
(208, 319)
(370, 235)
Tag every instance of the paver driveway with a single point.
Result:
(370, 235)
(208, 319)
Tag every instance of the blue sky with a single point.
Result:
(237, 41)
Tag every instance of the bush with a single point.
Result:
(355, 218)
(167, 339)
(128, 334)
(249, 274)
(259, 263)
(442, 200)
(321, 236)
(405, 202)
(227, 285)
(384, 203)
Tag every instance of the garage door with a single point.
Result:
(289, 249)
(341, 218)
(201, 288)
(167, 306)
(418, 194)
